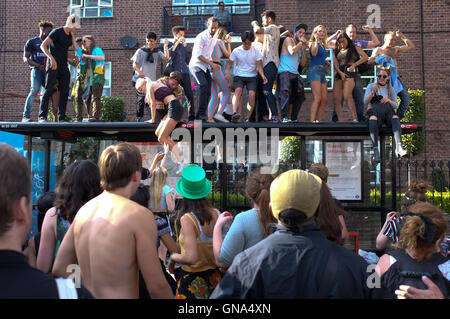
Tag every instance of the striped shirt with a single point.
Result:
(392, 229)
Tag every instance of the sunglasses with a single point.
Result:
(382, 76)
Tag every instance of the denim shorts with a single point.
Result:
(316, 73)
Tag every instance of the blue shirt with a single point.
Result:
(245, 231)
(162, 203)
(180, 58)
(319, 59)
(289, 63)
(34, 47)
(361, 43)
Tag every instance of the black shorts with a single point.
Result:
(160, 113)
(175, 110)
(344, 68)
(383, 111)
(241, 81)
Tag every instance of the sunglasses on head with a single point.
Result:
(382, 76)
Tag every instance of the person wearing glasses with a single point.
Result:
(382, 100)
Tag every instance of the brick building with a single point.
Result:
(422, 21)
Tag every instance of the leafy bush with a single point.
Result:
(415, 142)
(439, 199)
(113, 109)
(290, 149)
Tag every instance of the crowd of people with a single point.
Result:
(116, 232)
(270, 56)
(102, 223)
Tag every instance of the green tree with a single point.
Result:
(415, 143)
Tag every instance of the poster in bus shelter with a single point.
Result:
(343, 159)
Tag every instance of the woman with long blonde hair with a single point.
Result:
(318, 46)
(161, 196)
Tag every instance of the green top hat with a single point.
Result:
(193, 183)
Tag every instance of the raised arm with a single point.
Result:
(256, 28)
(314, 48)
(166, 50)
(218, 236)
(331, 40)
(408, 44)
(374, 42)
(291, 48)
(375, 53)
(226, 50)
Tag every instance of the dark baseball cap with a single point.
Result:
(301, 26)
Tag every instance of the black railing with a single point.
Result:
(436, 173)
(194, 17)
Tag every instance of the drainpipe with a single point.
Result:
(423, 75)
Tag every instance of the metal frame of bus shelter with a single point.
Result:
(144, 132)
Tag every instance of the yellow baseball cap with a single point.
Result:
(295, 189)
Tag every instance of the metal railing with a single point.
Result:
(436, 173)
(194, 17)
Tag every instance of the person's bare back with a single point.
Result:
(113, 238)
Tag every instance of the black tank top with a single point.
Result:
(408, 271)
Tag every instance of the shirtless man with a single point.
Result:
(390, 51)
(113, 237)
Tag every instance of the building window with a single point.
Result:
(107, 85)
(92, 8)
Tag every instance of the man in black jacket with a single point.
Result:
(18, 280)
(296, 261)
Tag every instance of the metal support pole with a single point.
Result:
(47, 166)
(303, 152)
(382, 179)
(29, 149)
(394, 179)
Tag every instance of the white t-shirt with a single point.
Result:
(270, 45)
(245, 61)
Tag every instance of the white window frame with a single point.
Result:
(108, 79)
(330, 78)
(78, 7)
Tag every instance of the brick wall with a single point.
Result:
(137, 17)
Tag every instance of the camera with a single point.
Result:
(376, 99)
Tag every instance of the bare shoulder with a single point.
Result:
(141, 216)
(384, 264)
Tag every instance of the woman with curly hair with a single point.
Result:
(394, 221)
(79, 184)
(416, 253)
